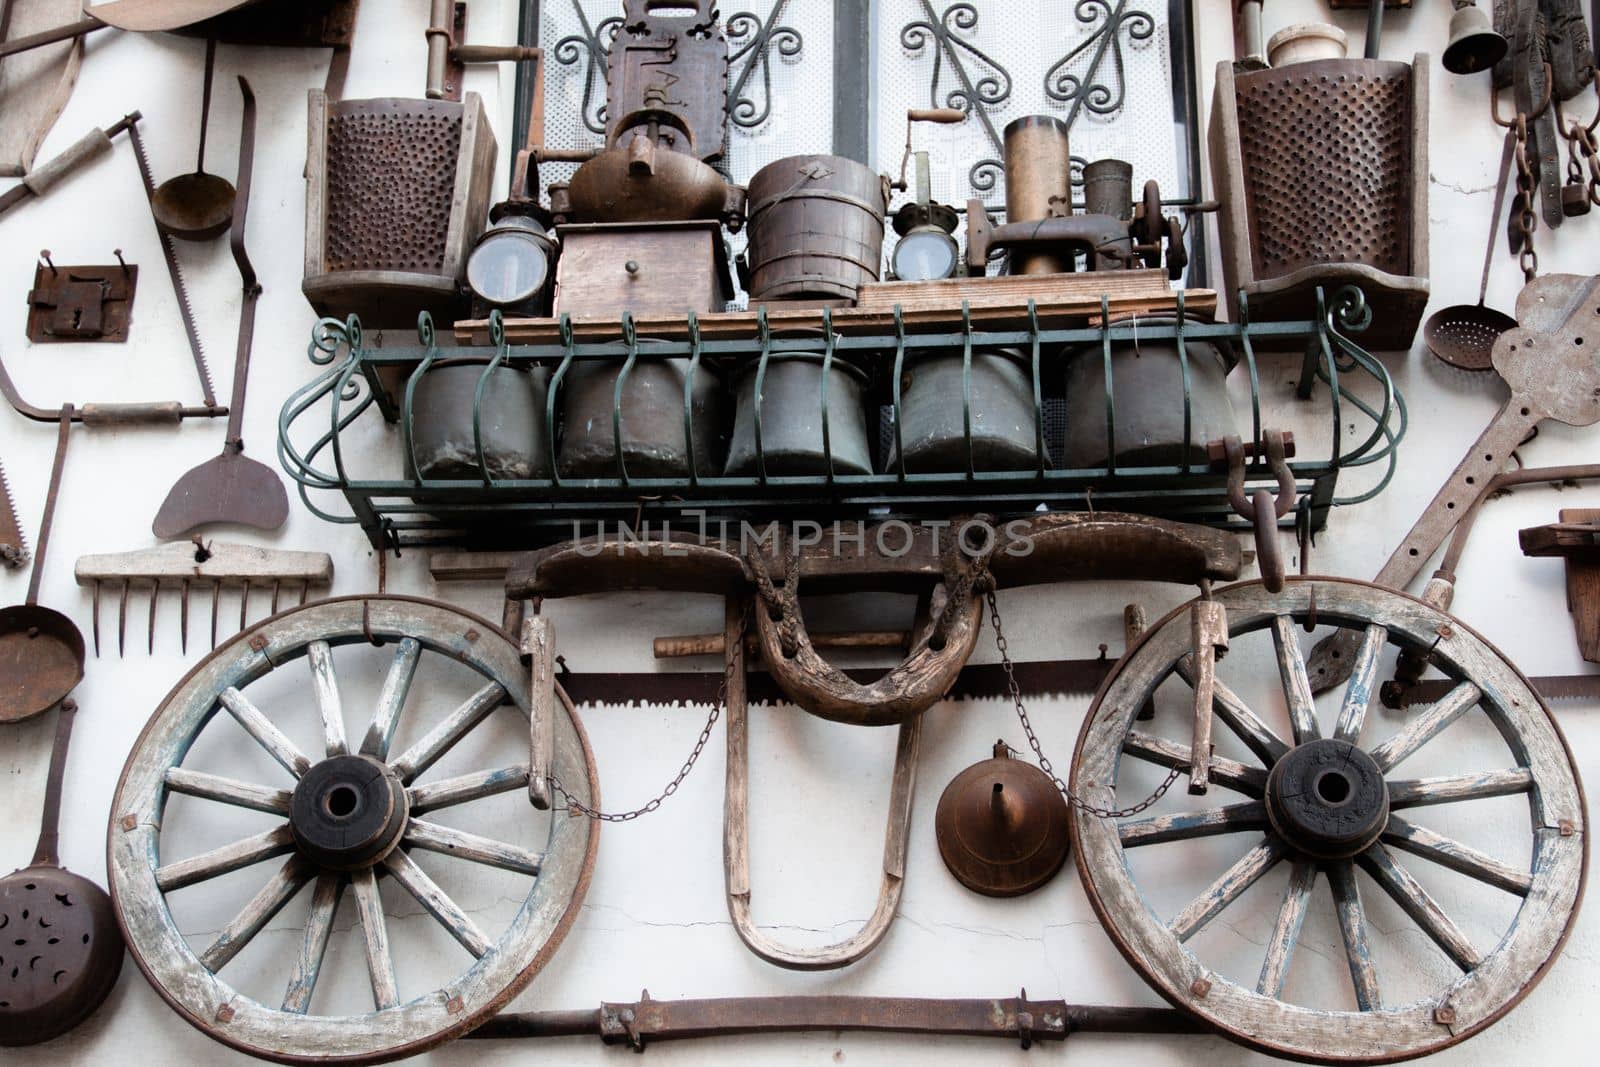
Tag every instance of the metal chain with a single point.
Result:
(576, 808)
(1527, 222)
(1033, 739)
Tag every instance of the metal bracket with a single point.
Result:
(94, 304)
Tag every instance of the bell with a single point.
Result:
(1002, 826)
(1474, 44)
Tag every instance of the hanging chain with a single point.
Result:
(577, 808)
(1033, 739)
(1526, 222)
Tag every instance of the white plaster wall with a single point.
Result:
(655, 916)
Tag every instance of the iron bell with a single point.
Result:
(1474, 44)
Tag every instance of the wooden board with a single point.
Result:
(1062, 312)
(1012, 290)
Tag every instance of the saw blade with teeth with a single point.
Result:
(1550, 687)
(185, 307)
(13, 545)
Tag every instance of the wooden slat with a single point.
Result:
(1359, 690)
(1448, 789)
(1012, 290)
(1068, 312)
(278, 746)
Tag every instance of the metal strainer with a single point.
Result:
(1463, 335)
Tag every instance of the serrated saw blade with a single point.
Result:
(1069, 677)
(13, 545)
(1550, 687)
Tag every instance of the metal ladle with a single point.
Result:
(1463, 335)
(41, 650)
(198, 206)
(59, 937)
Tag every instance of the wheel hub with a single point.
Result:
(348, 812)
(1327, 798)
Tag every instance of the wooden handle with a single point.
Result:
(92, 144)
(160, 413)
(539, 651)
(713, 644)
(946, 115)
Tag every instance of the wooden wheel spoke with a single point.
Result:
(1227, 888)
(1230, 819)
(1358, 691)
(449, 841)
(1426, 725)
(220, 861)
(319, 927)
(427, 893)
(444, 736)
(1237, 716)
(459, 790)
(1296, 682)
(1415, 792)
(1250, 781)
(1447, 852)
(228, 791)
(268, 736)
(1353, 929)
(392, 699)
(1416, 902)
(294, 874)
(325, 687)
(1286, 931)
(375, 934)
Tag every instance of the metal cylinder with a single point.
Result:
(936, 394)
(816, 228)
(512, 421)
(1108, 188)
(654, 444)
(791, 418)
(1038, 184)
(1147, 398)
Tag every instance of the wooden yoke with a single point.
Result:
(962, 558)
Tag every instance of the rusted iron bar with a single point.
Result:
(1016, 1018)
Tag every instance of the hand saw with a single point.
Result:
(13, 545)
(1065, 677)
(1549, 687)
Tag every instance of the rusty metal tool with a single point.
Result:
(13, 542)
(1463, 335)
(186, 565)
(1550, 687)
(231, 488)
(169, 253)
(41, 650)
(1014, 1018)
(63, 948)
(81, 304)
(1002, 826)
(197, 206)
(1576, 538)
(1551, 361)
(41, 179)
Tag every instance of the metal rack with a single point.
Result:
(493, 513)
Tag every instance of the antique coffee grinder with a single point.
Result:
(640, 223)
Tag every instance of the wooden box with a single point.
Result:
(650, 268)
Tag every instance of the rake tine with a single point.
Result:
(277, 587)
(183, 619)
(216, 599)
(305, 590)
(244, 605)
(155, 591)
(97, 618)
(122, 620)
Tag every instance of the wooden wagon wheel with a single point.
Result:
(1327, 805)
(348, 817)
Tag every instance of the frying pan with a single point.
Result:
(59, 937)
(41, 650)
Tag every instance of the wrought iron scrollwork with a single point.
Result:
(976, 96)
(590, 47)
(764, 38)
(1088, 90)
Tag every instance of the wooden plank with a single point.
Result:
(177, 562)
(734, 325)
(1359, 690)
(539, 650)
(1012, 290)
